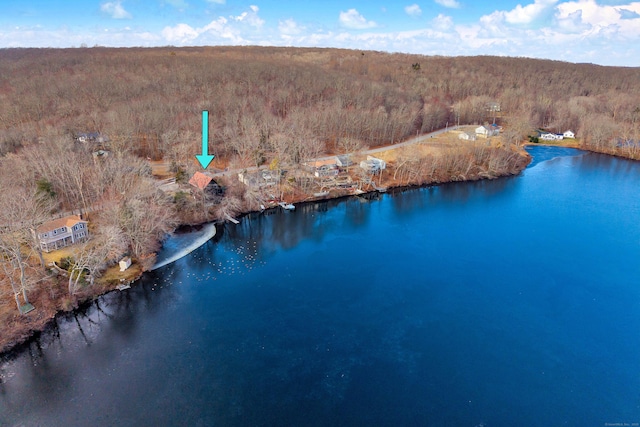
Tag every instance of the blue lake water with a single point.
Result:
(513, 302)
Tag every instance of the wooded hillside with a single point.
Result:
(298, 102)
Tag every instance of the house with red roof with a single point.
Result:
(210, 189)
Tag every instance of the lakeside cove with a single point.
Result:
(269, 323)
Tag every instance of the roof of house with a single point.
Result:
(319, 163)
(67, 221)
(200, 180)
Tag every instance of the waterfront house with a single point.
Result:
(209, 188)
(61, 232)
(260, 178)
(373, 164)
(547, 136)
(569, 134)
(323, 168)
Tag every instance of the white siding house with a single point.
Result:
(487, 131)
(551, 136)
(467, 136)
(373, 164)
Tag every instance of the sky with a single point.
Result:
(605, 32)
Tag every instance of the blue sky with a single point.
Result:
(604, 32)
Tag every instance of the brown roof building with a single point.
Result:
(200, 180)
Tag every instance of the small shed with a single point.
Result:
(124, 263)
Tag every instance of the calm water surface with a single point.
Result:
(513, 302)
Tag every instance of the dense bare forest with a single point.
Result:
(267, 99)
(267, 106)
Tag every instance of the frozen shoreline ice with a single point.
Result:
(201, 237)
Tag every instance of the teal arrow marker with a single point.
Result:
(205, 158)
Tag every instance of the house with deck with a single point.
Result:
(373, 164)
(61, 232)
(323, 168)
(259, 178)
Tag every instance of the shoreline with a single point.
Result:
(25, 337)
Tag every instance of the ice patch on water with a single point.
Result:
(196, 240)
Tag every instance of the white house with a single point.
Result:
(373, 164)
(551, 136)
(569, 134)
(467, 136)
(61, 232)
(487, 131)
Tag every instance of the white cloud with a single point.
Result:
(598, 15)
(442, 22)
(250, 17)
(539, 11)
(234, 30)
(413, 10)
(115, 10)
(452, 4)
(352, 19)
(216, 1)
(289, 27)
(571, 23)
(529, 13)
(181, 33)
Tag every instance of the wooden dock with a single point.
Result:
(233, 220)
(123, 286)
